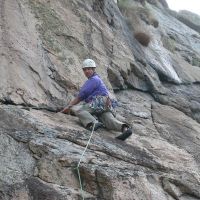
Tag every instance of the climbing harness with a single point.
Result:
(79, 177)
(102, 104)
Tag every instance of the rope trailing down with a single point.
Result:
(79, 177)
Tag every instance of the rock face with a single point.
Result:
(190, 19)
(42, 46)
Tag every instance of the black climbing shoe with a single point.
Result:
(125, 134)
(96, 126)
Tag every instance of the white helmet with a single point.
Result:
(88, 63)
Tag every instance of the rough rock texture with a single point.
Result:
(42, 46)
(190, 19)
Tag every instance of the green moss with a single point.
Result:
(169, 43)
(196, 61)
(124, 4)
(135, 12)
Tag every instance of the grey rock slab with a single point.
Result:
(17, 162)
(178, 129)
(45, 191)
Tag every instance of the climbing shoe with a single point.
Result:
(127, 132)
(96, 126)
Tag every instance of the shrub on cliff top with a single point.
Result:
(142, 38)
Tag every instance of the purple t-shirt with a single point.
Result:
(92, 87)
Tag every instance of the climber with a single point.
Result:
(95, 100)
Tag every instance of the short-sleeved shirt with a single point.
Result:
(94, 86)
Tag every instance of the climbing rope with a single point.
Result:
(79, 177)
